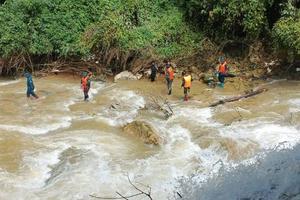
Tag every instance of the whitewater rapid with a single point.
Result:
(70, 149)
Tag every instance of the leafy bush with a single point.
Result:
(45, 26)
(151, 29)
(229, 19)
(286, 35)
(147, 28)
(74, 28)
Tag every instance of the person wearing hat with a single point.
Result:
(169, 73)
(30, 85)
(86, 84)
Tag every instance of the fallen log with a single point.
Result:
(236, 98)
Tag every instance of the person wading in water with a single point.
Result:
(30, 85)
(222, 72)
(186, 84)
(169, 72)
(86, 84)
(154, 70)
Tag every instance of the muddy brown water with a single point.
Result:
(59, 147)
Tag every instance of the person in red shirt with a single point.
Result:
(169, 77)
(222, 72)
(86, 84)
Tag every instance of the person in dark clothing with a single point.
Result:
(30, 86)
(154, 70)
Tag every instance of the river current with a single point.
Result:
(59, 147)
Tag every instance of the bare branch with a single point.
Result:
(179, 195)
(162, 105)
(109, 198)
(134, 185)
(141, 192)
(121, 196)
(147, 194)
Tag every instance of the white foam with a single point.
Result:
(275, 176)
(39, 167)
(67, 104)
(104, 168)
(267, 134)
(38, 129)
(96, 87)
(200, 115)
(178, 157)
(294, 105)
(2, 83)
(94, 90)
(128, 104)
(31, 176)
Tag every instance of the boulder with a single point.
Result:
(125, 75)
(195, 76)
(139, 76)
(144, 131)
(194, 70)
(147, 72)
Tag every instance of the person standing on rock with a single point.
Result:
(30, 85)
(222, 72)
(154, 70)
(86, 84)
(186, 84)
(169, 72)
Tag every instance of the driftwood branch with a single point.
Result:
(123, 197)
(148, 194)
(110, 198)
(236, 98)
(162, 105)
(140, 193)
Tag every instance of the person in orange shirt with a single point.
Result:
(86, 84)
(169, 77)
(222, 72)
(186, 84)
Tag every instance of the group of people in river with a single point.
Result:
(169, 73)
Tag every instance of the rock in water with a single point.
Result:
(144, 131)
(126, 75)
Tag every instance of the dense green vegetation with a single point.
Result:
(286, 35)
(142, 28)
(145, 28)
(275, 21)
(68, 28)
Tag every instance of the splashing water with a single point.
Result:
(60, 147)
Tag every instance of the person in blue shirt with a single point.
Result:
(30, 85)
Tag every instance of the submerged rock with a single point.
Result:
(144, 131)
(126, 75)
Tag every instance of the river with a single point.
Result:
(59, 147)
